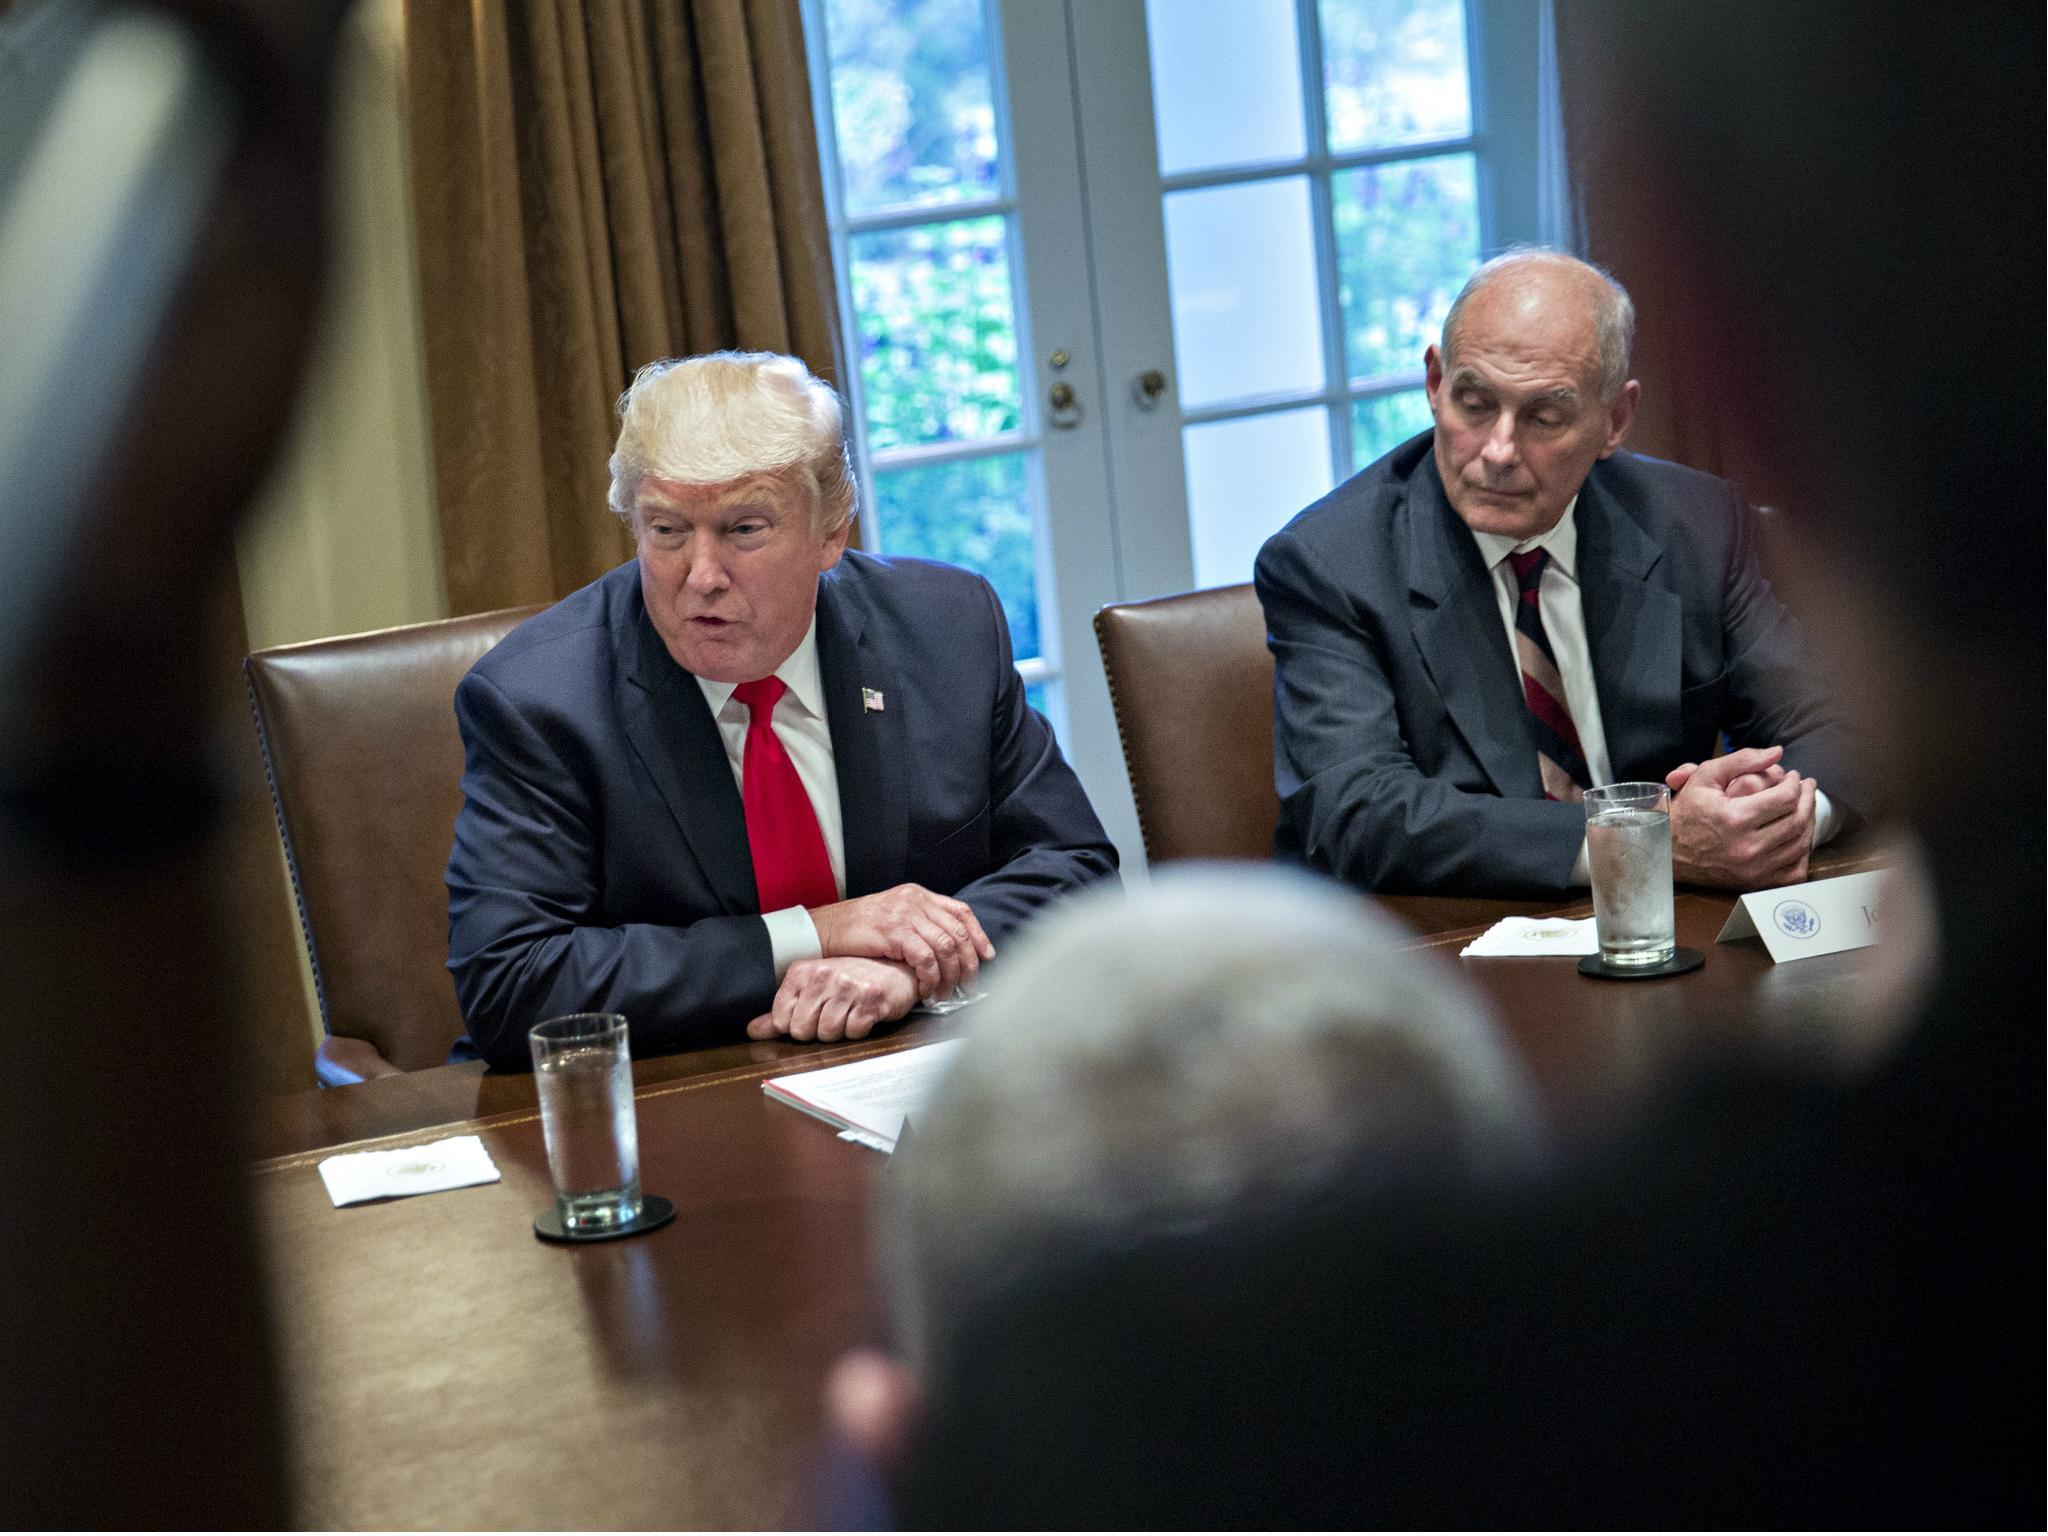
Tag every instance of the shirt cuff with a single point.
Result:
(1582, 872)
(792, 936)
(1825, 822)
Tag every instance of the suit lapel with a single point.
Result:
(672, 729)
(1457, 628)
(1634, 631)
(867, 744)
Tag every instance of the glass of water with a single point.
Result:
(1628, 850)
(584, 1071)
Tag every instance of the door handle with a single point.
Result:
(1065, 405)
(1147, 387)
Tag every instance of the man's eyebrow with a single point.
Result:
(1564, 394)
(750, 494)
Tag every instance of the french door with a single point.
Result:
(1127, 283)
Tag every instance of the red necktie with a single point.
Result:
(1559, 759)
(791, 866)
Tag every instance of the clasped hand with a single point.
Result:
(881, 955)
(1743, 820)
(938, 937)
(837, 998)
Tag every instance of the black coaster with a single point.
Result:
(654, 1212)
(1681, 961)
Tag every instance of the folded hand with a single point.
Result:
(1742, 820)
(839, 998)
(939, 938)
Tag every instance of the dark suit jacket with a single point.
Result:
(601, 858)
(1403, 751)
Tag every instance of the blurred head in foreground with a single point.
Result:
(1838, 210)
(1116, 1199)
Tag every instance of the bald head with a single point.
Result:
(1529, 388)
(1565, 302)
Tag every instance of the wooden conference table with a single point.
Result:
(447, 1369)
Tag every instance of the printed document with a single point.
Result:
(868, 1100)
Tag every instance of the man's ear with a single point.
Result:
(1621, 415)
(873, 1400)
(833, 547)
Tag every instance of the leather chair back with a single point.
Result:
(1192, 683)
(365, 768)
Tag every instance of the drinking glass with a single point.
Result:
(584, 1072)
(1628, 850)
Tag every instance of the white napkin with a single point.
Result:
(1536, 936)
(352, 1177)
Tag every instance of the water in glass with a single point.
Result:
(586, 1107)
(1629, 854)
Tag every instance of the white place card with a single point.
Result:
(455, 1163)
(1821, 917)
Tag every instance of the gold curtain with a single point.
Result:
(597, 183)
(1674, 420)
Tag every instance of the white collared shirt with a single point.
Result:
(1560, 600)
(801, 726)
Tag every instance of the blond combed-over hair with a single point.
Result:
(729, 416)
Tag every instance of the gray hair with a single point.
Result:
(729, 416)
(1231, 1039)
(1614, 318)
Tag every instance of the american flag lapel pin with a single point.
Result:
(871, 700)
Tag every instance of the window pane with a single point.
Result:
(976, 513)
(1394, 72)
(938, 333)
(1407, 238)
(1226, 82)
(1240, 263)
(1246, 478)
(1039, 697)
(1381, 422)
(911, 103)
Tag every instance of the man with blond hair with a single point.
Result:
(631, 840)
(1511, 609)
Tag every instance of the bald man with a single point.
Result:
(1510, 609)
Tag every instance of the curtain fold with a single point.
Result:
(1674, 420)
(598, 183)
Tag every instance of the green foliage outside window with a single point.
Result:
(976, 513)
(938, 333)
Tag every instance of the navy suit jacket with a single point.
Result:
(1403, 750)
(601, 858)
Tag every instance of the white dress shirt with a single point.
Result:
(1559, 600)
(806, 735)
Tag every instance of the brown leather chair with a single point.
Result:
(1192, 683)
(365, 767)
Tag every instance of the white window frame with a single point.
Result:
(843, 228)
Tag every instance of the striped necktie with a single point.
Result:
(1559, 758)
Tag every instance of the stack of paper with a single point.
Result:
(1536, 936)
(868, 1100)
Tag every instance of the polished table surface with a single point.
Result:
(448, 1369)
